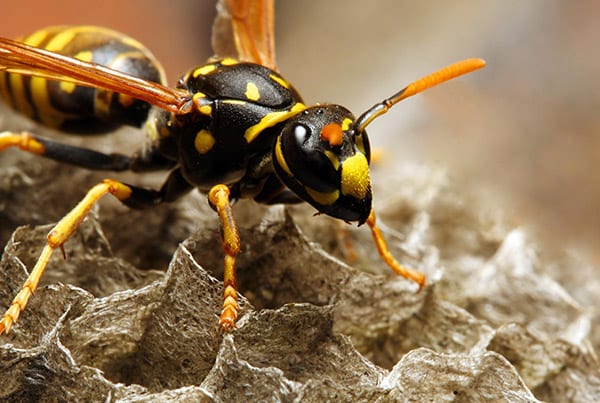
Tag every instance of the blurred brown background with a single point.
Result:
(523, 133)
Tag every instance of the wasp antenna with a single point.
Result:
(447, 73)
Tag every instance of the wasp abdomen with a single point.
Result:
(75, 108)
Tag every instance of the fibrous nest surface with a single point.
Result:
(131, 313)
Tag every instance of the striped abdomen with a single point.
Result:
(70, 107)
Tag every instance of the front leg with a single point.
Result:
(218, 197)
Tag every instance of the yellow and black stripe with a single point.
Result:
(74, 108)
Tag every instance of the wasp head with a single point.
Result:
(322, 158)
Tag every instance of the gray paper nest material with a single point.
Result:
(492, 325)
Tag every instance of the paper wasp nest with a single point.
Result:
(131, 314)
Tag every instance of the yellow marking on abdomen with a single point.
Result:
(39, 86)
(19, 101)
(37, 37)
(67, 86)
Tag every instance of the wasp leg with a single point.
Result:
(132, 196)
(218, 197)
(387, 257)
(83, 157)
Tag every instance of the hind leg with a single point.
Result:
(83, 157)
(136, 197)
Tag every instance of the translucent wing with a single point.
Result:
(245, 29)
(16, 57)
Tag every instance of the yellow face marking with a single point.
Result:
(355, 176)
(281, 158)
(252, 92)
(346, 124)
(204, 141)
(279, 81)
(272, 119)
(204, 70)
(323, 198)
(335, 161)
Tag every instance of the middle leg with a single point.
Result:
(218, 197)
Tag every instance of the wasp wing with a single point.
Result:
(17, 57)
(245, 29)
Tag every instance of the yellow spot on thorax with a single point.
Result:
(228, 61)
(272, 119)
(203, 104)
(204, 70)
(252, 92)
(279, 80)
(204, 141)
(355, 176)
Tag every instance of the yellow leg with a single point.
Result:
(23, 140)
(56, 238)
(219, 198)
(386, 255)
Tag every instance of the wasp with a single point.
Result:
(232, 128)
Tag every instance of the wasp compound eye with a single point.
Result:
(307, 159)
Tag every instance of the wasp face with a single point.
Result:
(319, 156)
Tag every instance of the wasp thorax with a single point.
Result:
(320, 158)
